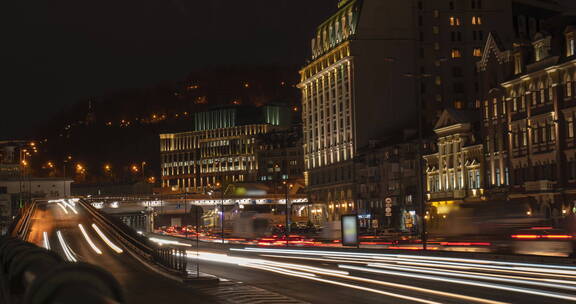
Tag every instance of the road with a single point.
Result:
(312, 276)
(140, 284)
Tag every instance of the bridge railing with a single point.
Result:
(170, 260)
(30, 274)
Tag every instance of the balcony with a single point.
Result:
(539, 186)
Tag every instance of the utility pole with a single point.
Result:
(419, 172)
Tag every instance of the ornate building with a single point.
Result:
(528, 118)
(455, 173)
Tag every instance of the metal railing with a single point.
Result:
(172, 258)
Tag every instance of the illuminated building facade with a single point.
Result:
(353, 92)
(528, 118)
(455, 172)
(222, 148)
(450, 37)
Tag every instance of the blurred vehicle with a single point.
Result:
(291, 240)
(547, 241)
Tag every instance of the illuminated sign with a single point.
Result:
(350, 230)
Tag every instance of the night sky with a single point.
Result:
(57, 52)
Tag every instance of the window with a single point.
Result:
(438, 80)
(451, 5)
(477, 52)
(458, 105)
(570, 126)
(524, 137)
(436, 46)
(515, 104)
(497, 181)
(436, 14)
(568, 87)
(535, 135)
(570, 45)
(517, 63)
(435, 30)
(456, 53)
(476, 20)
(454, 21)
(495, 103)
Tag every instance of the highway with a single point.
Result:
(56, 226)
(305, 275)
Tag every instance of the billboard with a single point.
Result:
(350, 230)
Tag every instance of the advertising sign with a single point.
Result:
(350, 230)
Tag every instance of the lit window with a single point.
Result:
(476, 20)
(458, 104)
(517, 63)
(570, 45)
(435, 29)
(438, 80)
(436, 14)
(456, 53)
(454, 21)
(477, 52)
(570, 127)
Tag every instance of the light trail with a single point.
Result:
(304, 270)
(63, 208)
(525, 268)
(70, 205)
(89, 240)
(106, 240)
(465, 282)
(65, 248)
(471, 276)
(332, 282)
(170, 242)
(388, 284)
(46, 241)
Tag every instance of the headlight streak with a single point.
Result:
(89, 240)
(304, 270)
(527, 268)
(471, 276)
(71, 206)
(46, 240)
(63, 208)
(65, 248)
(314, 278)
(170, 242)
(106, 240)
(465, 282)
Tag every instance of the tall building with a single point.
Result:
(353, 91)
(222, 148)
(528, 114)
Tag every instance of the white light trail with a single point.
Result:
(46, 241)
(106, 240)
(389, 284)
(471, 276)
(525, 268)
(89, 240)
(65, 248)
(63, 208)
(465, 282)
(304, 273)
(169, 242)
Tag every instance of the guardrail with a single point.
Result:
(33, 275)
(21, 224)
(170, 260)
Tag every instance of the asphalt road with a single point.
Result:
(140, 284)
(319, 276)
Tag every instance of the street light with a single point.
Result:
(221, 186)
(420, 174)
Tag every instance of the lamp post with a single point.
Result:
(419, 172)
(221, 186)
